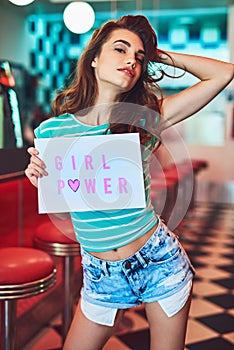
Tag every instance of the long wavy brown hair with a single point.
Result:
(83, 89)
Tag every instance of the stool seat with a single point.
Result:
(49, 238)
(22, 265)
(24, 272)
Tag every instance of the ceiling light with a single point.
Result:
(21, 2)
(79, 17)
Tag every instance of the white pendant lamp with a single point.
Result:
(79, 17)
(21, 2)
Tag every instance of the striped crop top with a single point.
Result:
(100, 231)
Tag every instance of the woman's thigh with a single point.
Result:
(87, 335)
(167, 333)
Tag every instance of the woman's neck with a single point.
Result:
(106, 96)
(96, 115)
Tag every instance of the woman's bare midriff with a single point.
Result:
(127, 250)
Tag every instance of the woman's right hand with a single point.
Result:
(36, 167)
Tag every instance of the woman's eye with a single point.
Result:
(120, 50)
(140, 60)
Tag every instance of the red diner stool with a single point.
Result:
(61, 242)
(24, 272)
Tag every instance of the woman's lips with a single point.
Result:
(128, 71)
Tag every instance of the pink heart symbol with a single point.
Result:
(74, 184)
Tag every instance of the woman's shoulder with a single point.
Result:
(58, 118)
(61, 117)
(52, 124)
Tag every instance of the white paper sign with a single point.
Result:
(89, 173)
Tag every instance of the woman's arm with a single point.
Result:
(37, 168)
(214, 76)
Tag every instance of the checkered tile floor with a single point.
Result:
(207, 234)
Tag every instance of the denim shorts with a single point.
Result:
(159, 271)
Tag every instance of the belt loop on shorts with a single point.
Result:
(140, 258)
(105, 268)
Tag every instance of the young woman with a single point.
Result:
(129, 257)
